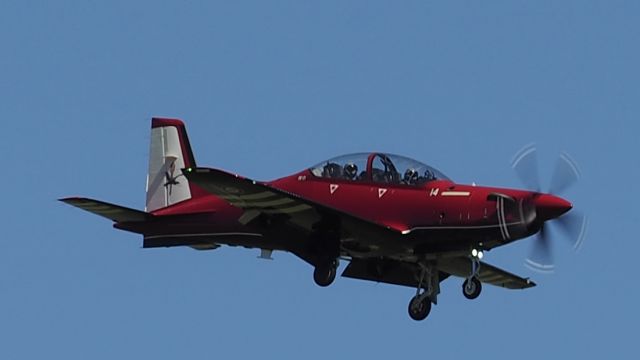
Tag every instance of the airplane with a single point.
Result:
(394, 220)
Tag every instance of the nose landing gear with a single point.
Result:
(472, 287)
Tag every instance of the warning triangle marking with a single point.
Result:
(381, 192)
(333, 188)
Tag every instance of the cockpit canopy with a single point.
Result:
(378, 168)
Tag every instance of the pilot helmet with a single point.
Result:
(411, 176)
(428, 174)
(350, 171)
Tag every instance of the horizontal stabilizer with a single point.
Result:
(112, 212)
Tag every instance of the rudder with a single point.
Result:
(169, 153)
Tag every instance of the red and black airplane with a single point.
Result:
(396, 220)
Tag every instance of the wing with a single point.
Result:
(386, 271)
(488, 274)
(406, 273)
(261, 199)
(112, 212)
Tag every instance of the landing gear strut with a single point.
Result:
(325, 272)
(472, 287)
(426, 293)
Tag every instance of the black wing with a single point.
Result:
(258, 199)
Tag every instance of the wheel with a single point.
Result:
(324, 274)
(419, 309)
(471, 289)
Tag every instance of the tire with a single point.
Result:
(471, 290)
(323, 275)
(419, 310)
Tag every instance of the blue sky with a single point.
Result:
(269, 88)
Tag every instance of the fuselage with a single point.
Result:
(437, 217)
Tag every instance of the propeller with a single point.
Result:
(573, 224)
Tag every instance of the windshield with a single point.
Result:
(379, 168)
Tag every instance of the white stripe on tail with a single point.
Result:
(169, 153)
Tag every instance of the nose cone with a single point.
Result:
(550, 207)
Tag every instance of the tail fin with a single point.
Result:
(169, 153)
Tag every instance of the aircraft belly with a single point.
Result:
(443, 239)
(245, 239)
(207, 234)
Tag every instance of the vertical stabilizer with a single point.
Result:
(169, 153)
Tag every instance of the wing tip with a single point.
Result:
(70, 199)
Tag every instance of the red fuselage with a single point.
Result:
(436, 217)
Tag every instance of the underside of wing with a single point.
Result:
(489, 274)
(386, 271)
(407, 273)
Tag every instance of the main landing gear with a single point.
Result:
(325, 272)
(419, 307)
(426, 293)
(472, 287)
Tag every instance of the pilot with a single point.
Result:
(350, 171)
(331, 170)
(428, 174)
(410, 176)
